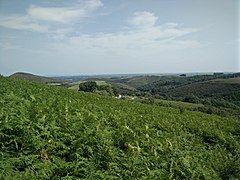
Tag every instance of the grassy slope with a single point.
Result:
(208, 88)
(133, 82)
(200, 85)
(138, 81)
(51, 132)
(36, 78)
(235, 80)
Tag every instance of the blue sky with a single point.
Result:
(77, 37)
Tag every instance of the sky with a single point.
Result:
(80, 37)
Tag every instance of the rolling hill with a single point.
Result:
(40, 79)
(131, 82)
(50, 132)
(211, 88)
(218, 86)
(175, 83)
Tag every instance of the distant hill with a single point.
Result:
(218, 90)
(136, 81)
(203, 85)
(216, 87)
(193, 84)
(127, 85)
(40, 79)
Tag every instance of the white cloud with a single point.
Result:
(153, 39)
(143, 19)
(64, 14)
(21, 23)
(149, 49)
(148, 39)
(38, 18)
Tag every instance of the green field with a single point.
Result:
(137, 81)
(131, 82)
(51, 132)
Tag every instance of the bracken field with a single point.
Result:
(49, 132)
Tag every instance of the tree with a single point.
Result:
(89, 86)
(191, 99)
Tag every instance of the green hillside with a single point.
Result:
(235, 80)
(219, 92)
(40, 79)
(128, 85)
(50, 132)
(175, 83)
(217, 84)
(130, 82)
(209, 88)
(137, 81)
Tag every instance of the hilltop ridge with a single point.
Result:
(37, 78)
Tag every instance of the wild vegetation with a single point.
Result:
(50, 132)
(99, 87)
